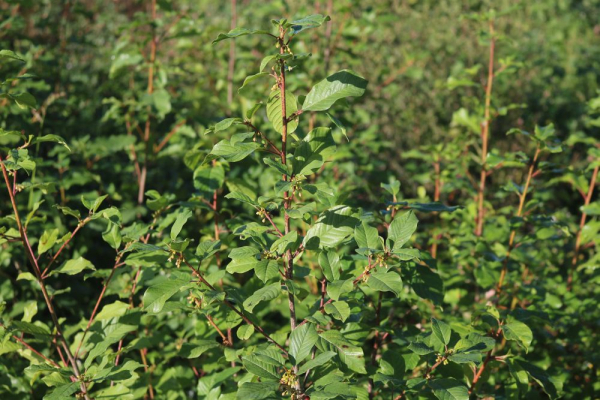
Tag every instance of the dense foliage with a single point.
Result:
(204, 200)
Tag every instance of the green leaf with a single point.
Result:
(208, 248)
(427, 284)
(317, 361)
(335, 87)
(441, 330)
(274, 112)
(252, 78)
(243, 259)
(383, 281)
(313, 151)
(420, 348)
(330, 264)
(63, 392)
(259, 367)
(475, 342)
(196, 348)
(285, 243)
(73, 267)
(223, 125)
(118, 373)
(266, 270)
(10, 55)
(302, 340)
(112, 235)
(161, 99)
(116, 309)
(257, 390)
(209, 178)
(210, 381)
(339, 125)
(348, 353)
(401, 229)
(47, 241)
(50, 138)
(549, 385)
(245, 331)
(155, 296)
(367, 236)
(266, 293)
(182, 216)
(337, 288)
(237, 32)
(338, 309)
(428, 207)
(29, 311)
(276, 163)
(233, 152)
(332, 228)
(30, 328)
(309, 22)
(449, 389)
(24, 100)
(241, 197)
(518, 331)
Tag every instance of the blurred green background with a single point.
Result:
(90, 58)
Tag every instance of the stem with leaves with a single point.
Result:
(513, 233)
(588, 198)
(38, 274)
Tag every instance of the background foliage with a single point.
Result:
(106, 137)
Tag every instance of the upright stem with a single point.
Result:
(38, 273)
(289, 270)
(513, 233)
(485, 126)
(376, 343)
(231, 65)
(153, 45)
(436, 197)
(289, 273)
(588, 198)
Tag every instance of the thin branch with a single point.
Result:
(588, 198)
(80, 225)
(513, 233)
(32, 259)
(163, 143)
(485, 127)
(234, 308)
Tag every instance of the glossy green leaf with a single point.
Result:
(333, 88)
(302, 340)
(275, 113)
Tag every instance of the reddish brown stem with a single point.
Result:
(513, 233)
(38, 273)
(146, 137)
(79, 226)
(234, 308)
(436, 197)
(231, 63)
(588, 198)
(24, 343)
(485, 126)
(163, 143)
(97, 306)
(488, 358)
